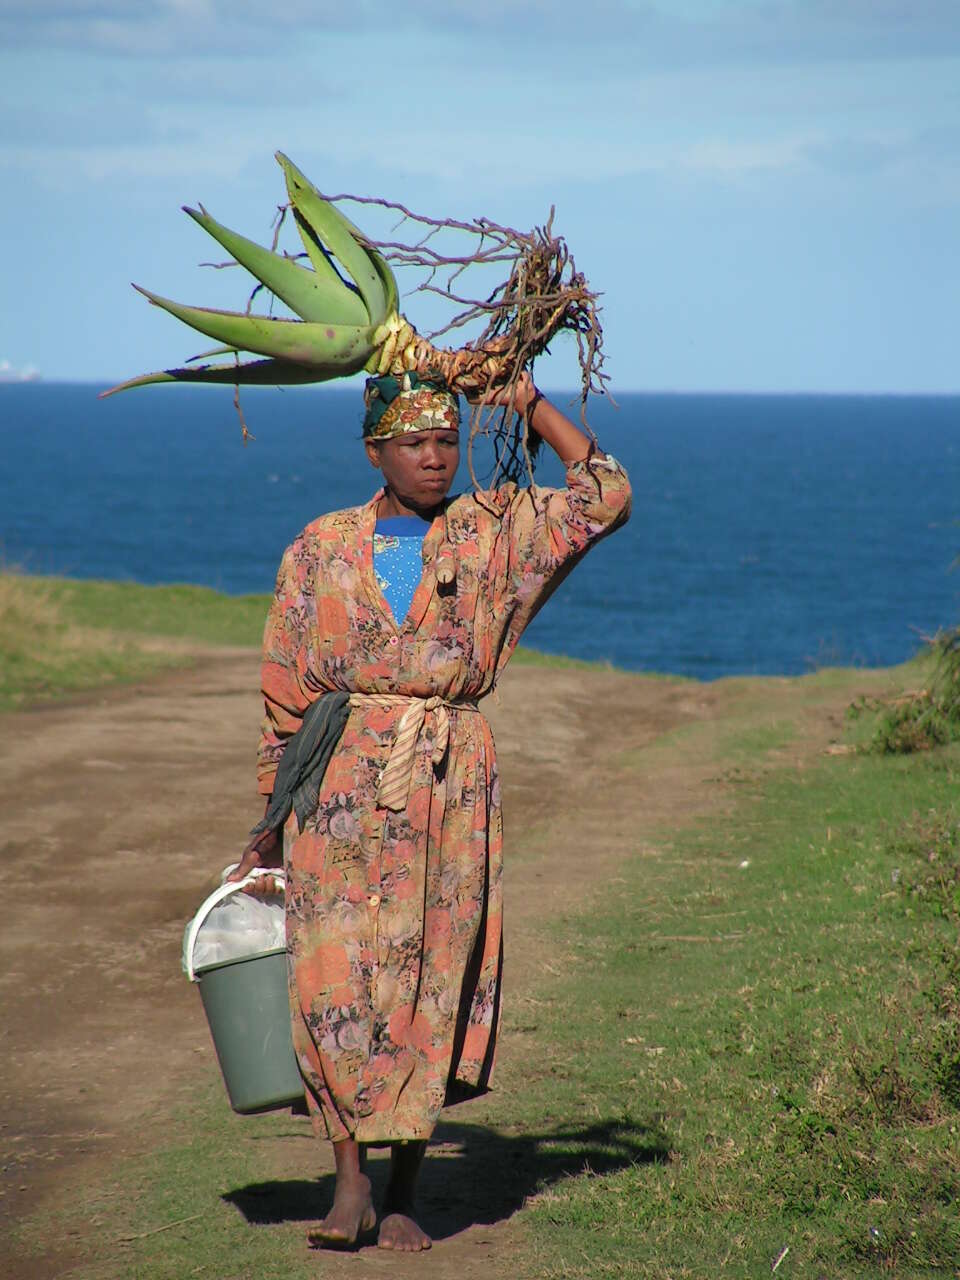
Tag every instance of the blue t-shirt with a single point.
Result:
(398, 560)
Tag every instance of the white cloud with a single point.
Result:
(87, 127)
(519, 33)
(723, 156)
(165, 28)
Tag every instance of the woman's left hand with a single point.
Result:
(523, 392)
(567, 441)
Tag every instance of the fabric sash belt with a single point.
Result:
(308, 751)
(394, 788)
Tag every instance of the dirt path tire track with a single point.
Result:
(120, 809)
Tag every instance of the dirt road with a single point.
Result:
(118, 812)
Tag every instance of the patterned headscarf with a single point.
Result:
(396, 406)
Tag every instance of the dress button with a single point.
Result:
(374, 899)
(394, 640)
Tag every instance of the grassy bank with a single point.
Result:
(180, 612)
(760, 1032)
(60, 635)
(743, 1052)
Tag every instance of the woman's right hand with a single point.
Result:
(264, 850)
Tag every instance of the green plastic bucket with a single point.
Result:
(248, 1013)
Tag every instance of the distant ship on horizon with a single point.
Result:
(8, 373)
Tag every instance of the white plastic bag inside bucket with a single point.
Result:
(234, 925)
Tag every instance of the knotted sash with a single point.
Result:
(394, 789)
(308, 751)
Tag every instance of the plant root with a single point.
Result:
(541, 295)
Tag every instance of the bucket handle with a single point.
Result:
(218, 895)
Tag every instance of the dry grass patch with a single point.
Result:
(44, 654)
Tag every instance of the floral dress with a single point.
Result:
(394, 916)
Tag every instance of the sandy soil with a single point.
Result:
(120, 809)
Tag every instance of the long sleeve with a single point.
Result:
(545, 532)
(285, 697)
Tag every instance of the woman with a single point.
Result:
(394, 863)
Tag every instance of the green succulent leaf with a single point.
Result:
(338, 235)
(324, 299)
(318, 346)
(251, 373)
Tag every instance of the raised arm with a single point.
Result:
(568, 442)
(541, 533)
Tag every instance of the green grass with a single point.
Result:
(59, 636)
(751, 1042)
(788, 1030)
(748, 1043)
(524, 657)
(43, 655)
(183, 612)
(928, 715)
(169, 1215)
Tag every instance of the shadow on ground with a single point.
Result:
(472, 1174)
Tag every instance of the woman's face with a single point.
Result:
(418, 468)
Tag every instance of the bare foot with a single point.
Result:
(398, 1231)
(352, 1213)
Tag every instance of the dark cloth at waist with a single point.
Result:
(304, 761)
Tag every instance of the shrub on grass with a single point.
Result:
(857, 1140)
(929, 848)
(859, 1118)
(923, 718)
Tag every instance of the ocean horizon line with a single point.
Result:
(765, 529)
(341, 385)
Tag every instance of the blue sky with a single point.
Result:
(766, 191)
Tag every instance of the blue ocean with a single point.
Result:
(770, 534)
